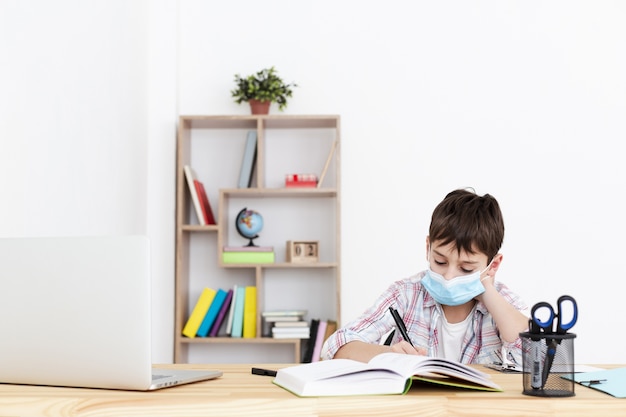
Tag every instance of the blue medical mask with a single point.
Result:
(455, 291)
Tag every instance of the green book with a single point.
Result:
(248, 257)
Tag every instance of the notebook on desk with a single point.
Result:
(76, 311)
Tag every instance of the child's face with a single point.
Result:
(450, 263)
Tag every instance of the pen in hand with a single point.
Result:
(400, 325)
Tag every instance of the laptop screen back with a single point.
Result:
(75, 311)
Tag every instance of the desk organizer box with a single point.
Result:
(538, 350)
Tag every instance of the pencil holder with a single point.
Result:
(546, 359)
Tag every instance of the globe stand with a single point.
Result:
(251, 243)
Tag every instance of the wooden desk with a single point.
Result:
(238, 393)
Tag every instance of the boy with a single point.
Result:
(454, 309)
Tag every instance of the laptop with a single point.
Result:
(76, 312)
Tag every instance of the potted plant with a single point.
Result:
(261, 90)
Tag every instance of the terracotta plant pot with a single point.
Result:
(259, 107)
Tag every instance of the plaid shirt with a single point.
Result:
(422, 315)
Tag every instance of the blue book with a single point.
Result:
(238, 313)
(248, 162)
(210, 316)
(222, 314)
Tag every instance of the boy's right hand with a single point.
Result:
(405, 347)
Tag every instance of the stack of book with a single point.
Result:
(234, 309)
(248, 255)
(285, 324)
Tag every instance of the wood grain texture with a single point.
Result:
(239, 393)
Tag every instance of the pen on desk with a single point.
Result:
(400, 325)
(264, 372)
(592, 381)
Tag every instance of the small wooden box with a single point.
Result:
(302, 251)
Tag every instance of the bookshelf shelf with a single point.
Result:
(213, 146)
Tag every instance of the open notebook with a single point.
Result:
(76, 311)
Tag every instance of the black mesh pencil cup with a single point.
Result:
(547, 360)
(548, 349)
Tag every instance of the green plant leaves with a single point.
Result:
(264, 85)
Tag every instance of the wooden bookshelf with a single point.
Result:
(286, 144)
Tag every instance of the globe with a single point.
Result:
(249, 223)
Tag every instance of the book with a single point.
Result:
(211, 314)
(284, 314)
(248, 161)
(249, 313)
(319, 340)
(271, 318)
(308, 353)
(207, 212)
(386, 373)
(248, 257)
(222, 314)
(237, 330)
(231, 312)
(248, 249)
(190, 176)
(288, 324)
(199, 311)
(290, 332)
(327, 164)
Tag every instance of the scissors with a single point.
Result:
(565, 303)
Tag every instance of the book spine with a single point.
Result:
(238, 316)
(248, 162)
(222, 314)
(190, 176)
(249, 313)
(198, 312)
(308, 353)
(248, 257)
(231, 313)
(211, 314)
(319, 341)
(204, 203)
(248, 249)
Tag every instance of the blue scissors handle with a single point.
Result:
(562, 328)
(547, 325)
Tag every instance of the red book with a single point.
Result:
(204, 203)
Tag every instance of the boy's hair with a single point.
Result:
(472, 222)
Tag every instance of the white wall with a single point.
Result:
(522, 100)
(87, 127)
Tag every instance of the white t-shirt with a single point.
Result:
(451, 336)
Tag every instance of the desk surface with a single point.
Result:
(238, 393)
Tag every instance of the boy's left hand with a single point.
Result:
(487, 282)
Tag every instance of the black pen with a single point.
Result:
(400, 325)
(264, 372)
